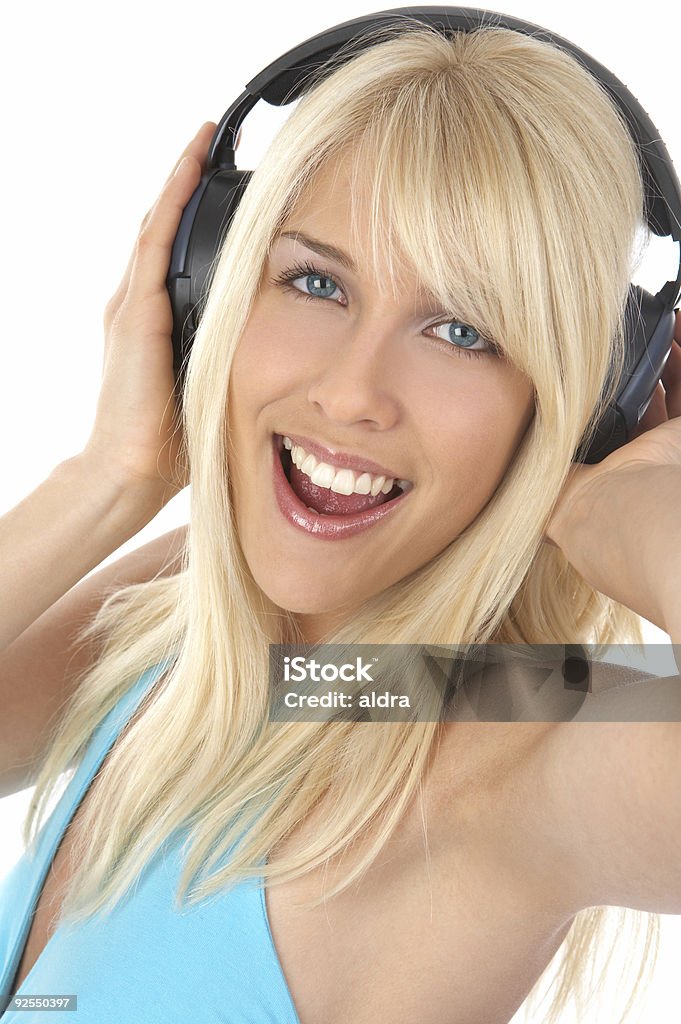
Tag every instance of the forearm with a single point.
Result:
(634, 554)
(64, 528)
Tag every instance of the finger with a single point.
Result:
(655, 414)
(197, 148)
(671, 378)
(120, 293)
(154, 244)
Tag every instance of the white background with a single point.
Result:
(97, 103)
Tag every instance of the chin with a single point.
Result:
(304, 596)
(299, 604)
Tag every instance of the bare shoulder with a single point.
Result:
(610, 809)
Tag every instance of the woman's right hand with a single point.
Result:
(136, 436)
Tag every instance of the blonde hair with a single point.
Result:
(501, 174)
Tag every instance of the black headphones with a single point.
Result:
(208, 214)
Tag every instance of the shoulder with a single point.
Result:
(610, 808)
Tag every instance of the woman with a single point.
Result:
(479, 193)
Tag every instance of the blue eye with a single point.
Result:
(459, 340)
(462, 337)
(317, 280)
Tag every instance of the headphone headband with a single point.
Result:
(206, 217)
(284, 80)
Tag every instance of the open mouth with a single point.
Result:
(323, 500)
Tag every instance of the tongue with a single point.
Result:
(328, 502)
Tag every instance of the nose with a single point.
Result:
(360, 377)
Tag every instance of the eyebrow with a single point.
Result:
(332, 252)
(329, 252)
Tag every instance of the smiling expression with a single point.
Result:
(328, 356)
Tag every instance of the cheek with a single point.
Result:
(261, 367)
(476, 441)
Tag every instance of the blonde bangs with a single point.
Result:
(466, 179)
(441, 214)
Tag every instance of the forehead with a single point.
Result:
(335, 209)
(326, 208)
(331, 182)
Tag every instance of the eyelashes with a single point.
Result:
(306, 269)
(297, 270)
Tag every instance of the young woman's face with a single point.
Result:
(373, 378)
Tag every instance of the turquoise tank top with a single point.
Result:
(145, 961)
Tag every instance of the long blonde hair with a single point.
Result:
(500, 172)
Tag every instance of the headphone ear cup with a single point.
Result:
(649, 326)
(205, 221)
(649, 332)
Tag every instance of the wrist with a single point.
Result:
(671, 603)
(128, 502)
(622, 534)
(660, 534)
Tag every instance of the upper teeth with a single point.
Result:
(342, 481)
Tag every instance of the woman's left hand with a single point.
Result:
(607, 511)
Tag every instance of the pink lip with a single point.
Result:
(324, 527)
(341, 459)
